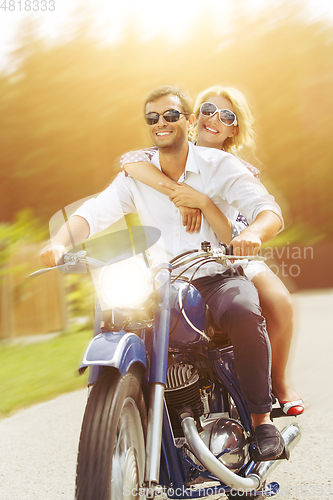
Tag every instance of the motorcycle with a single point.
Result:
(165, 414)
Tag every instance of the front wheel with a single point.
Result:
(111, 456)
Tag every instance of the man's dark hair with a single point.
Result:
(164, 90)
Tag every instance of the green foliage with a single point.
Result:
(298, 232)
(25, 228)
(80, 295)
(40, 371)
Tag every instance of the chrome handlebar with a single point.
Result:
(81, 262)
(219, 255)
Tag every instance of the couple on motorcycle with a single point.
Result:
(222, 178)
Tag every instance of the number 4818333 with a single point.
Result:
(27, 5)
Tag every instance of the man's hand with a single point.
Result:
(191, 219)
(76, 229)
(183, 195)
(52, 253)
(266, 226)
(246, 243)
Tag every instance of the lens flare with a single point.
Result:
(126, 284)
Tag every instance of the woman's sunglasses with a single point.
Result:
(171, 115)
(226, 117)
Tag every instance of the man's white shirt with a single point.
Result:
(219, 175)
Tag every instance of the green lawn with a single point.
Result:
(40, 371)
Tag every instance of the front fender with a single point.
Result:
(117, 349)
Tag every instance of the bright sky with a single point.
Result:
(152, 17)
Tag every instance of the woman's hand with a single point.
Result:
(183, 195)
(191, 219)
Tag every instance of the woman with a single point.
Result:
(224, 121)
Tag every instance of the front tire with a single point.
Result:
(111, 456)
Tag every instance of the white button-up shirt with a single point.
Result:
(219, 175)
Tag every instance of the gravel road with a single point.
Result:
(38, 446)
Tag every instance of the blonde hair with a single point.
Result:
(244, 139)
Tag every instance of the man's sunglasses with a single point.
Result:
(171, 115)
(226, 116)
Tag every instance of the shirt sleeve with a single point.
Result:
(109, 206)
(243, 191)
(137, 156)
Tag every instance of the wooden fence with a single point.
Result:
(31, 306)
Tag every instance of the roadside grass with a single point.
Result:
(40, 371)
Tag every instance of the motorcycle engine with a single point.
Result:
(225, 437)
(182, 391)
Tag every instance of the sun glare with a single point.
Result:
(176, 17)
(151, 18)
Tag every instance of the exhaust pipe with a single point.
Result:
(291, 435)
(256, 473)
(208, 460)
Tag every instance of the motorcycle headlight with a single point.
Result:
(126, 284)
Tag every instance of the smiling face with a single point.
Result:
(163, 134)
(211, 131)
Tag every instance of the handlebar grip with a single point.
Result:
(228, 250)
(61, 261)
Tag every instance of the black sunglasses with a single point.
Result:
(171, 115)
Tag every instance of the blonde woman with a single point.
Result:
(224, 121)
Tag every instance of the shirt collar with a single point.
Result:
(191, 162)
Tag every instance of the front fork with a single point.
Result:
(157, 376)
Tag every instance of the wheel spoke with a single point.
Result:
(125, 476)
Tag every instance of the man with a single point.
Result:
(233, 300)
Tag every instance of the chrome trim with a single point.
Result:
(216, 254)
(291, 435)
(257, 473)
(206, 457)
(154, 434)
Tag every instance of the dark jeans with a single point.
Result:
(234, 303)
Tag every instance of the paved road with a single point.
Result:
(38, 445)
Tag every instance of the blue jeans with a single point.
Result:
(234, 303)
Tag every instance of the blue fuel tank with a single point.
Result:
(187, 318)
